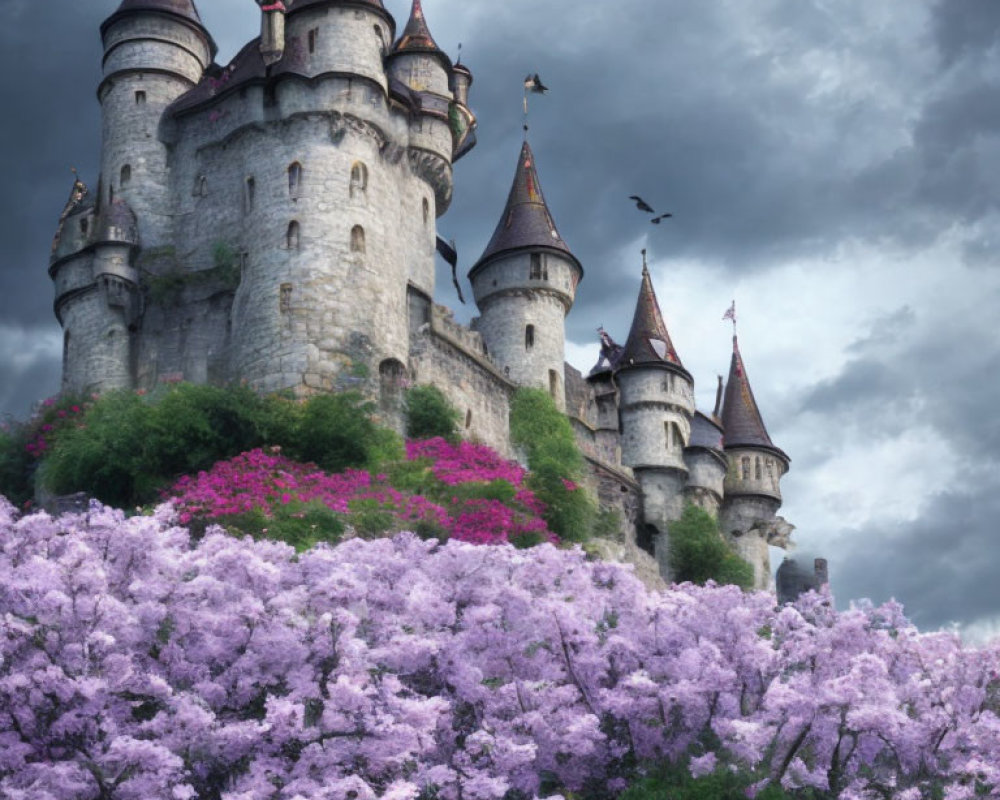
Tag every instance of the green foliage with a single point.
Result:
(24, 444)
(130, 446)
(429, 414)
(674, 782)
(336, 431)
(698, 553)
(555, 463)
(301, 525)
(15, 464)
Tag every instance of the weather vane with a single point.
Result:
(532, 83)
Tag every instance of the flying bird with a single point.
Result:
(657, 220)
(533, 83)
(641, 204)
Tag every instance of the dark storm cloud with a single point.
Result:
(941, 566)
(965, 27)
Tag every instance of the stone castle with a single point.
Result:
(273, 221)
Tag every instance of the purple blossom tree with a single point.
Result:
(136, 663)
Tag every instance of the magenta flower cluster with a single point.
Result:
(53, 415)
(263, 480)
(136, 664)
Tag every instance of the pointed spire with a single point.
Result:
(416, 35)
(741, 419)
(648, 340)
(526, 221)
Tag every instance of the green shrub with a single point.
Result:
(336, 431)
(429, 414)
(698, 553)
(16, 465)
(555, 464)
(130, 446)
(674, 782)
(301, 525)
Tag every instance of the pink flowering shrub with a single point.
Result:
(135, 663)
(23, 445)
(464, 491)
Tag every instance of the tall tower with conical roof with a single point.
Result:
(524, 284)
(656, 404)
(752, 485)
(154, 51)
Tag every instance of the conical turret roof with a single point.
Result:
(741, 420)
(526, 221)
(416, 35)
(648, 340)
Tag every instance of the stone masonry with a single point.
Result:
(273, 221)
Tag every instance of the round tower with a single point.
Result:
(524, 285)
(96, 296)
(349, 38)
(752, 485)
(601, 379)
(706, 462)
(418, 65)
(154, 51)
(656, 403)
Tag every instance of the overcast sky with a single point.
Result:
(831, 164)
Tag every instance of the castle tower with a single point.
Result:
(601, 379)
(95, 288)
(656, 403)
(524, 284)
(707, 465)
(752, 485)
(154, 51)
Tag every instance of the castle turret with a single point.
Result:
(656, 402)
(601, 379)
(154, 51)
(96, 292)
(524, 284)
(424, 72)
(752, 485)
(706, 462)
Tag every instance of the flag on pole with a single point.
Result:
(730, 313)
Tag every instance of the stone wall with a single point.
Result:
(450, 357)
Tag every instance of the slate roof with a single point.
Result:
(705, 432)
(298, 5)
(526, 221)
(416, 37)
(117, 223)
(246, 65)
(648, 340)
(741, 419)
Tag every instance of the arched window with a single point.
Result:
(294, 180)
(535, 273)
(140, 98)
(126, 176)
(312, 36)
(553, 383)
(380, 37)
(529, 336)
(468, 418)
(292, 236)
(357, 239)
(757, 472)
(427, 210)
(745, 467)
(359, 179)
(249, 190)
